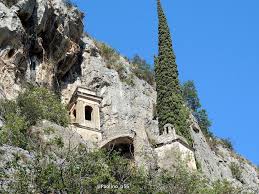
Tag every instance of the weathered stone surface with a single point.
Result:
(41, 41)
(124, 108)
(173, 154)
(46, 133)
(216, 165)
(9, 154)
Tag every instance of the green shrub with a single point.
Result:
(33, 105)
(236, 171)
(58, 141)
(129, 80)
(139, 66)
(142, 70)
(204, 122)
(190, 95)
(227, 143)
(84, 172)
(14, 132)
(224, 187)
(38, 103)
(8, 107)
(110, 56)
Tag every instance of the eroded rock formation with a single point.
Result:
(42, 41)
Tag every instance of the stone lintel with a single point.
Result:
(87, 128)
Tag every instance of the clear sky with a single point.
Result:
(216, 45)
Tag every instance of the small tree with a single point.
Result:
(31, 106)
(142, 69)
(39, 103)
(14, 132)
(227, 143)
(204, 122)
(190, 96)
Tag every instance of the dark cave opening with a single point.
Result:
(123, 146)
(10, 53)
(124, 150)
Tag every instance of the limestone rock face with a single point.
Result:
(124, 108)
(39, 42)
(8, 154)
(216, 164)
(46, 133)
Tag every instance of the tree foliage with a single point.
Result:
(191, 98)
(66, 170)
(204, 122)
(106, 172)
(170, 103)
(39, 103)
(142, 69)
(226, 142)
(31, 106)
(190, 95)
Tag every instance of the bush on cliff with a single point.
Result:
(142, 70)
(80, 171)
(38, 103)
(31, 106)
(103, 172)
(192, 100)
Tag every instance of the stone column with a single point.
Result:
(97, 117)
(80, 112)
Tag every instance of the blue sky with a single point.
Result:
(216, 44)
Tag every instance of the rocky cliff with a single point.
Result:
(42, 41)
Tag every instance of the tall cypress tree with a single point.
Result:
(170, 103)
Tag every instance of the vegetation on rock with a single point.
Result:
(81, 171)
(31, 106)
(138, 66)
(236, 171)
(191, 98)
(226, 142)
(70, 3)
(142, 69)
(110, 55)
(66, 170)
(170, 103)
(112, 59)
